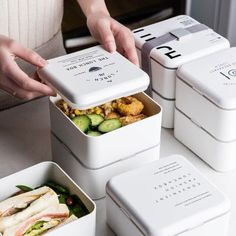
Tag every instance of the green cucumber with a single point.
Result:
(93, 133)
(109, 125)
(95, 119)
(82, 122)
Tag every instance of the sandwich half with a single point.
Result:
(40, 223)
(19, 208)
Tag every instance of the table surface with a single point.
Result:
(25, 140)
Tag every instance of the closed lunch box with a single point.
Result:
(164, 46)
(165, 198)
(206, 107)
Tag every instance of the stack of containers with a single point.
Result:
(205, 111)
(164, 46)
(86, 79)
(169, 197)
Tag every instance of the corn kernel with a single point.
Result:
(77, 112)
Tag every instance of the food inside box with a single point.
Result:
(33, 212)
(107, 117)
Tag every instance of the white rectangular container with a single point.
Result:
(173, 42)
(166, 198)
(39, 174)
(206, 104)
(98, 152)
(94, 181)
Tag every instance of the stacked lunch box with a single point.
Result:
(86, 79)
(164, 46)
(206, 108)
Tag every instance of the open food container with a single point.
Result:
(206, 108)
(165, 198)
(38, 175)
(163, 47)
(100, 77)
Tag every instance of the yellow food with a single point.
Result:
(77, 112)
(126, 120)
(112, 115)
(129, 106)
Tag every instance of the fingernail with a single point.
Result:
(53, 93)
(42, 62)
(111, 47)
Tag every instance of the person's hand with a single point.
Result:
(12, 79)
(113, 35)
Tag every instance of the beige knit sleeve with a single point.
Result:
(31, 22)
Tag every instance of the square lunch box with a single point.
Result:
(163, 47)
(206, 108)
(42, 173)
(92, 77)
(169, 197)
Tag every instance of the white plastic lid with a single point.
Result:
(93, 76)
(214, 77)
(187, 48)
(167, 197)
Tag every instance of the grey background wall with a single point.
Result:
(218, 14)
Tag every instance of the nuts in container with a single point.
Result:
(107, 117)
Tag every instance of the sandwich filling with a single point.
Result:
(41, 227)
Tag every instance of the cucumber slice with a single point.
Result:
(96, 119)
(93, 133)
(82, 122)
(109, 125)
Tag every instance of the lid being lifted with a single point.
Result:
(93, 76)
(167, 197)
(191, 41)
(214, 77)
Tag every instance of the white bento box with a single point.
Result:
(92, 161)
(166, 198)
(96, 153)
(206, 108)
(37, 175)
(163, 47)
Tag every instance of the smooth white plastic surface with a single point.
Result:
(168, 197)
(167, 106)
(164, 67)
(214, 76)
(117, 217)
(93, 181)
(220, 123)
(39, 174)
(97, 152)
(206, 100)
(93, 76)
(206, 92)
(194, 46)
(219, 155)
